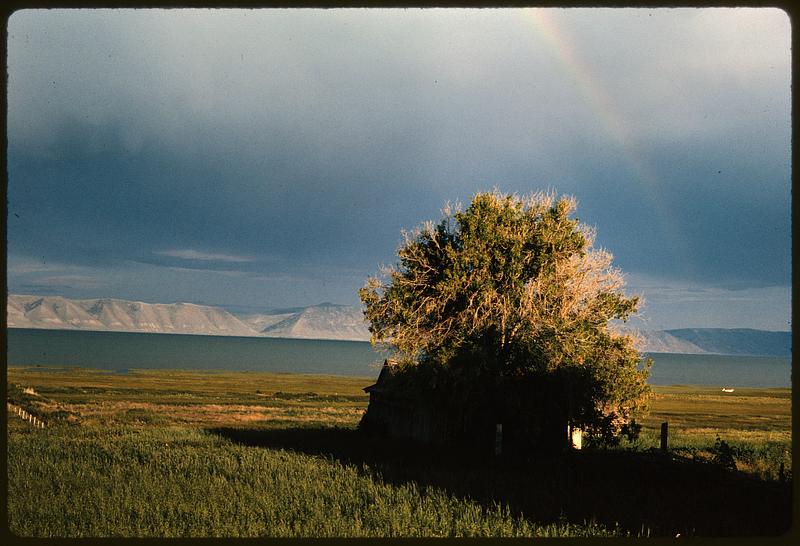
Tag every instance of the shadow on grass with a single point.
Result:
(635, 490)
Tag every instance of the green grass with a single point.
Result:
(755, 422)
(99, 483)
(185, 453)
(747, 410)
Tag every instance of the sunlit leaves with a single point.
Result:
(518, 281)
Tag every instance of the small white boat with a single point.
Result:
(727, 389)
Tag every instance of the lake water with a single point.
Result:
(120, 351)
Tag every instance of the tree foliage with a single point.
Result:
(512, 286)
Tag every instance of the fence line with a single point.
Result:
(32, 419)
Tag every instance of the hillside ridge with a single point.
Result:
(323, 321)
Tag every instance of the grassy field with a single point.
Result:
(185, 453)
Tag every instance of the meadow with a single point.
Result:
(168, 453)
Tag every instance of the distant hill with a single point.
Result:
(259, 322)
(659, 341)
(738, 341)
(55, 312)
(323, 321)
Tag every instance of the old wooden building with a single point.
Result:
(531, 418)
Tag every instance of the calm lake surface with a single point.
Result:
(120, 351)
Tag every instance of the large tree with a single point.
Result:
(513, 287)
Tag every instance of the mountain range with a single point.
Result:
(323, 321)
(58, 313)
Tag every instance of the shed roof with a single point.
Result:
(386, 374)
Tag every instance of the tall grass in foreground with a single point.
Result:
(169, 482)
(182, 453)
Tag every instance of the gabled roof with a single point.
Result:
(387, 372)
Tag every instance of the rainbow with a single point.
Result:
(547, 25)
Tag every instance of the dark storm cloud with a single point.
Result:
(291, 203)
(305, 140)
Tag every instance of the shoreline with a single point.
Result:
(219, 373)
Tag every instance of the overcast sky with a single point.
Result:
(270, 158)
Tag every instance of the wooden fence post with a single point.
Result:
(35, 421)
(664, 435)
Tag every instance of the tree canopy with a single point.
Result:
(513, 287)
